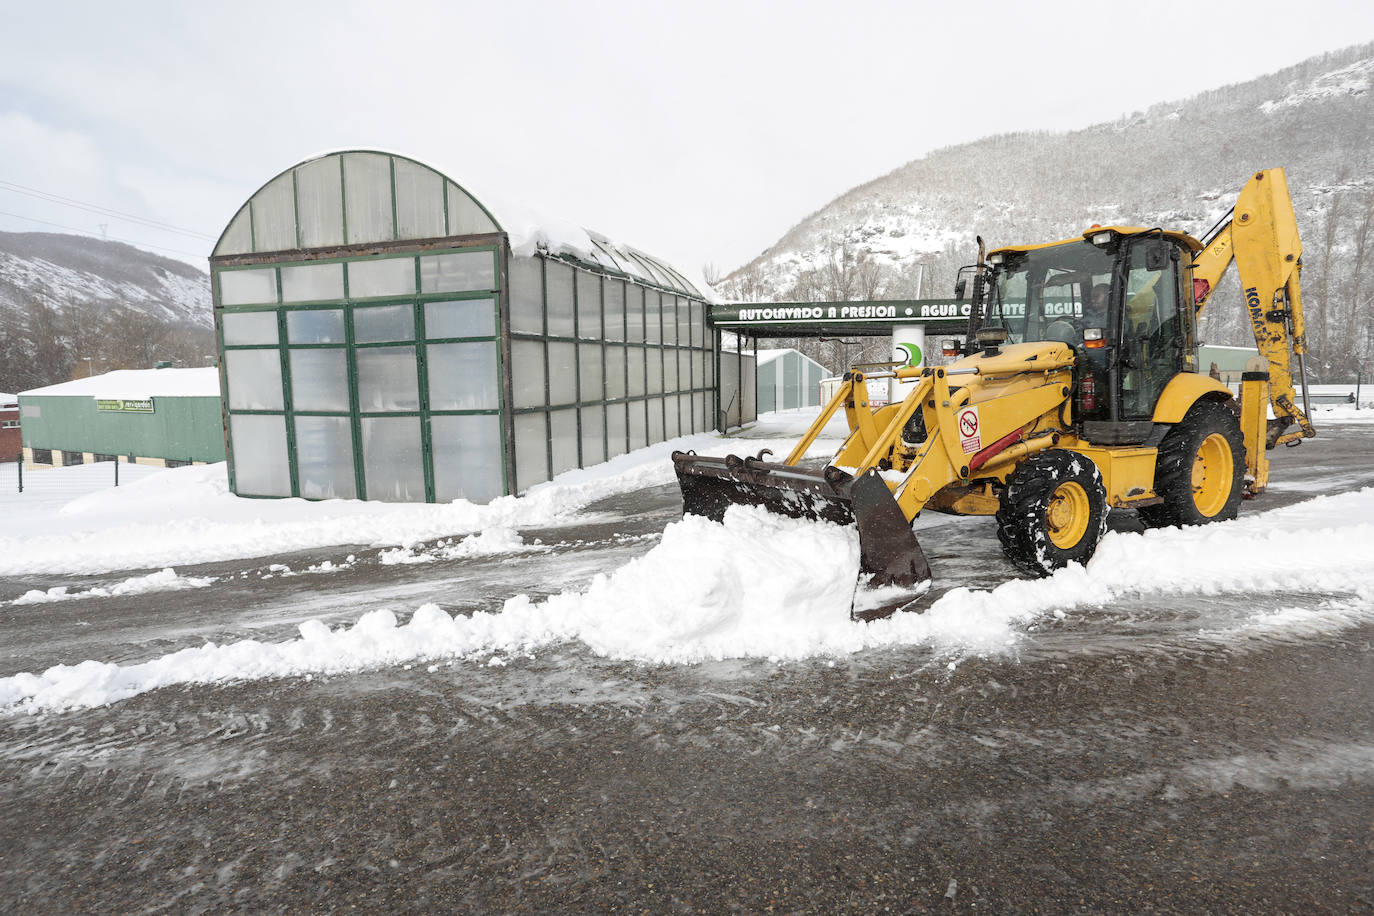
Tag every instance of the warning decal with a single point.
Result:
(970, 438)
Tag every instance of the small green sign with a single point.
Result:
(124, 406)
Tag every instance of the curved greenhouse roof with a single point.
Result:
(370, 197)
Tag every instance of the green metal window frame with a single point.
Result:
(418, 343)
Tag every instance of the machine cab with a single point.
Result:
(1118, 296)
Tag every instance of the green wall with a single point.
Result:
(184, 428)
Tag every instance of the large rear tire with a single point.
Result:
(1200, 471)
(1053, 512)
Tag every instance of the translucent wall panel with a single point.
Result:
(653, 316)
(531, 450)
(382, 324)
(274, 216)
(254, 379)
(635, 358)
(419, 201)
(699, 359)
(670, 417)
(367, 197)
(670, 371)
(312, 282)
(593, 433)
(562, 373)
(527, 373)
(613, 293)
(319, 380)
(588, 305)
(526, 296)
(655, 420)
(467, 458)
(238, 238)
(464, 216)
(246, 329)
(563, 439)
(247, 287)
(260, 463)
(684, 369)
(460, 318)
(458, 272)
(381, 277)
(669, 319)
(634, 314)
(315, 326)
(698, 328)
(387, 379)
(462, 376)
(639, 425)
(590, 385)
(615, 371)
(654, 366)
(616, 429)
(324, 458)
(684, 323)
(319, 203)
(391, 459)
(558, 281)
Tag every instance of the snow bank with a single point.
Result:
(166, 580)
(188, 515)
(763, 586)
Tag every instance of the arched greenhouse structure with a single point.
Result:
(383, 336)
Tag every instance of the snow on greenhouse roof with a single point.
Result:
(463, 212)
(135, 384)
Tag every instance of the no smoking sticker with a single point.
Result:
(970, 439)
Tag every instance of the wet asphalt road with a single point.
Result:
(1121, 760)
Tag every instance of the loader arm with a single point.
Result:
(1262, 239)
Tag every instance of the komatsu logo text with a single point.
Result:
(1252, 302)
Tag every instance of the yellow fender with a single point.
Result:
(1185, 390)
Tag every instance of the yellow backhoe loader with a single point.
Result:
(1078, 392)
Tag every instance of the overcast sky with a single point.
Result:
(700, 131)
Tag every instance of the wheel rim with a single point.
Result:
(1212, 474)
(1066, 516)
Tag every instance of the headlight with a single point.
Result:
(1094, 338)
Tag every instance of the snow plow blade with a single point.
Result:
(888, 550)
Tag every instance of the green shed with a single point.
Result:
(162, 417)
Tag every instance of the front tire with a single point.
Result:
(1200, 471)
(1053, 512)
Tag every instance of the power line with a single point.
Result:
(189, 254)
(104, 211)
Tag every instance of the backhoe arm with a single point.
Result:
(1262, 238)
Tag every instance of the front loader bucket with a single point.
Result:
(888, 551)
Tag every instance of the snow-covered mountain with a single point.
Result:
(1179, 164)
(66, 270)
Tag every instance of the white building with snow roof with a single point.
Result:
(164, 417)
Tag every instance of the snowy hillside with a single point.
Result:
(1179, 164)
(64, 270)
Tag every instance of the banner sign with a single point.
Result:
(825, 313)
(124, 406)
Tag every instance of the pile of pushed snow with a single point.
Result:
(763, 586)
(162, 581)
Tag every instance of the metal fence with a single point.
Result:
(68, 482)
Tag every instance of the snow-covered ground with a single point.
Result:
(756, 586)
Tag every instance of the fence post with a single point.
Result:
(116, 470)
(21, 472)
